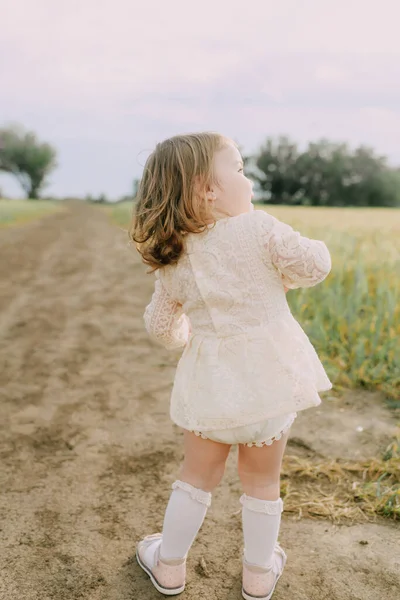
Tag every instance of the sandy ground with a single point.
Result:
(88, 452)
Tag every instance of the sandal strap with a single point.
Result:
(147, 542)
(277, 571)
(152, 536)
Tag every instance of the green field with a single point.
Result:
(16, 212)
(120, 213)
(353, 317)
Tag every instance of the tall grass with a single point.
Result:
(353, 317)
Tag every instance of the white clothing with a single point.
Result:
(263, 433)
(246, 359)
(261, 521)
(184, 515)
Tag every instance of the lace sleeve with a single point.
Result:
(301, 261)
(164, 319)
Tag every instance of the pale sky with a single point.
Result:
(104, 80)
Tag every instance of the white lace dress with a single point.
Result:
(247, 366)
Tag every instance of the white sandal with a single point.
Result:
(256, 580)
(168, 579)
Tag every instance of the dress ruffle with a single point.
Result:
(220, 379)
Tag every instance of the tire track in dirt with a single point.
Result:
(89, 453)
(21, 250)
(28, 293)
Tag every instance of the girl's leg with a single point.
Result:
(202, 470)
(204, 461)
(259, 471)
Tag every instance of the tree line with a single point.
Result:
(322, 174)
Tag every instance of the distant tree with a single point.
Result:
(275, 172)
(135, 187)
(125, 198)
(372, 182)
(101, 199)
(324, 174)
(30, 161)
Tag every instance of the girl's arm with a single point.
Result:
(164, 319)
(301, 261)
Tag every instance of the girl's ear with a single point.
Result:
(211, 196)
(210, 192)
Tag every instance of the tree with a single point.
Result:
(30, 161)
(324, 174)
(135, 187)
(274, 171)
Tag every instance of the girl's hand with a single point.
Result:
(285, 288)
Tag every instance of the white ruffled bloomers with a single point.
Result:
(261, 434)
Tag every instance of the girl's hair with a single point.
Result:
(171, 199)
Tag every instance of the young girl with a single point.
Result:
(222, 270)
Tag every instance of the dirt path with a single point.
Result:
(88, 452)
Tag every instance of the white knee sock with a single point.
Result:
(185, 513)
(261, 522)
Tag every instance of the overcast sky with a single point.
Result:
(104, 80)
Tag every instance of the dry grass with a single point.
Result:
(342, 490)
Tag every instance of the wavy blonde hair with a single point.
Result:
(171, 199)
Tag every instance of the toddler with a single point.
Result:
(222, 271)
